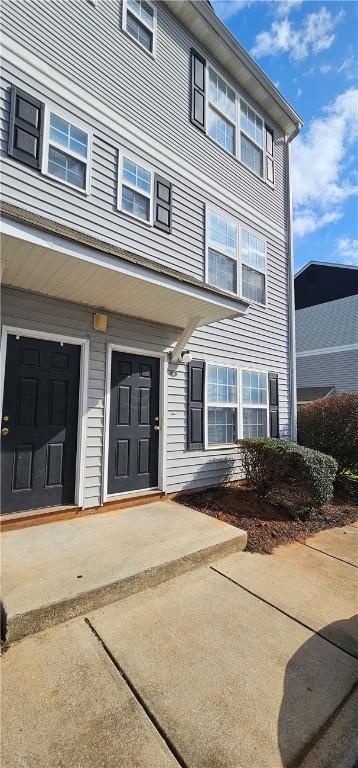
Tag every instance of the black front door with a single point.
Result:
(134, 423)
(39, 424)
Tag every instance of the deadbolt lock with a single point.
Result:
(5, 418)
(4, 431)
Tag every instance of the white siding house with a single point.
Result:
(146, 243)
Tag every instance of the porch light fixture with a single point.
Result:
(100, 322)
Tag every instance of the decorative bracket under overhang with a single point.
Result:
(187, 332)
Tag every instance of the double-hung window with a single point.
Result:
(135, 190)
(253, 267)
(221, 112)
(139, 21)
(251, 138)
(221, 252)
(254, 404)
(67, 149)
(222, 405)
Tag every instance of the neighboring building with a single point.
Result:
(326, 298)
(145, 213)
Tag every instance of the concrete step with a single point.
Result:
(54, 572)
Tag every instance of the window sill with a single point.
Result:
(135, 218)
(62, 182)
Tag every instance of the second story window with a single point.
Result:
(139, 22)
(66, 152)
(221, 112)
(221, 252)
(253, 267)
(251, 138)
(235, 258)
(135, 190)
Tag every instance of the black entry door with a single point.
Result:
(134, 423)
(39, 424)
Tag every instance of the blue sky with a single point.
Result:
(309, 50)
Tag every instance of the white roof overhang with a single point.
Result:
(214, 36)
(43, 262)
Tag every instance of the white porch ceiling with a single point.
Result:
(46, 264)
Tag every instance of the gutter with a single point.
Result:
(291, 291)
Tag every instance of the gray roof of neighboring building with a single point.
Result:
(306, 394)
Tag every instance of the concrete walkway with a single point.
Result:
(57, 571)
(200, 672)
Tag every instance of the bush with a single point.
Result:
(331, 426)
(298, 478)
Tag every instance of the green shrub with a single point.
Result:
(331, 425)
(298, 478)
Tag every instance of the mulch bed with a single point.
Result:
(267, 525)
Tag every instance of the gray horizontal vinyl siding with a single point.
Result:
(33, 312)
(335, 369)
(332, 324)
(88, 46)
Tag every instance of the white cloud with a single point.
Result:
(284, 7)
(299, 93)
(322, 175)
(346, 250)
(314, 35)
(306, 221)
(325, 68)
(225, 9)
(346, 64)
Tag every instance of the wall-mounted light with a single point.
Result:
(185, 357)
(100, 322)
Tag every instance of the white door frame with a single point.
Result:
(82, 393)
(163, 371)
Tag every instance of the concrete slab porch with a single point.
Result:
(55, 572)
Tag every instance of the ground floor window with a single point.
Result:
(236, 406)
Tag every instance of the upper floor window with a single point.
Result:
(251, 138)
(253, 267)
(66, 152)
(139, 21)
(221, 112)
(135, 190)
(224, 258)
(222, 252)
(218, 109)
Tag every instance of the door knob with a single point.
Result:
(156, 428)
(4, 431)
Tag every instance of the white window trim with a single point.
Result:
(237, 125)
(254, 406)
(239, 406)
(153, 31)
(254, 269)
(239, 262)
(211, 208)
(87, 161)
(208, 404)
(149, 196)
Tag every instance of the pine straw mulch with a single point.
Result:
(267, 525)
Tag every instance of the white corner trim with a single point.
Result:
(327, 350)
(82, 394)
(47, 77)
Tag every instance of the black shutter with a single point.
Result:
(197, 109)
(273, 404)
(196, 376)
(25, 128)
(162, 204)
(270, 170)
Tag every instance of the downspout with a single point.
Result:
(291, 290)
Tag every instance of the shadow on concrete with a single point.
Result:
(311, 701)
